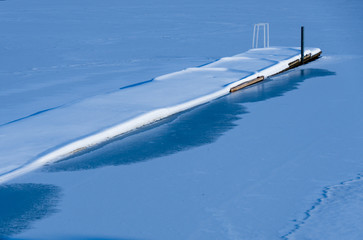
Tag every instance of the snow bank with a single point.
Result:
(42, 138)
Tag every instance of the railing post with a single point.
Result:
(302, 45)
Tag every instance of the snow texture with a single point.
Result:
(262, 163)
(53, 134)
(336, 215)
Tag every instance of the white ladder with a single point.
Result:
(266, 35)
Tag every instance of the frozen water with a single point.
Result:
(336, 215)
(245, 166)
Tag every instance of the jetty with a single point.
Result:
(55, 134)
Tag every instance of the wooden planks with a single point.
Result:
(297, 62)
(246, 84)
(293, 64)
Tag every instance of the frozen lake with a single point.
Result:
(280, 160)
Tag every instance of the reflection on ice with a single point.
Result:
(199, 126)
(278, 85)
(22, 204)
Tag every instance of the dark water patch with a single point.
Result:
(22, 204)
(193, 128)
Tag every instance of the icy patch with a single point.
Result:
(338, 214)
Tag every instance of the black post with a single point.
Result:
(302, 45)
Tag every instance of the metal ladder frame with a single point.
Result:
(256, 33)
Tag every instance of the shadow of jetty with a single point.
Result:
(196, 127)
(22, 204)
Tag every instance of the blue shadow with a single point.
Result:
(193, 128)
(22, 204)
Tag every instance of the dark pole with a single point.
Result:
(302, 45)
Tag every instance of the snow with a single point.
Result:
(276, 160)
(56, 133)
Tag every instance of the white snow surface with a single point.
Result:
(30, 142)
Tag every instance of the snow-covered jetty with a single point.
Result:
(36, 140)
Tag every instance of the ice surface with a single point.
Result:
(248, 165)
(336, 215)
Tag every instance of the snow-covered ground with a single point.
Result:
(263, 163)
